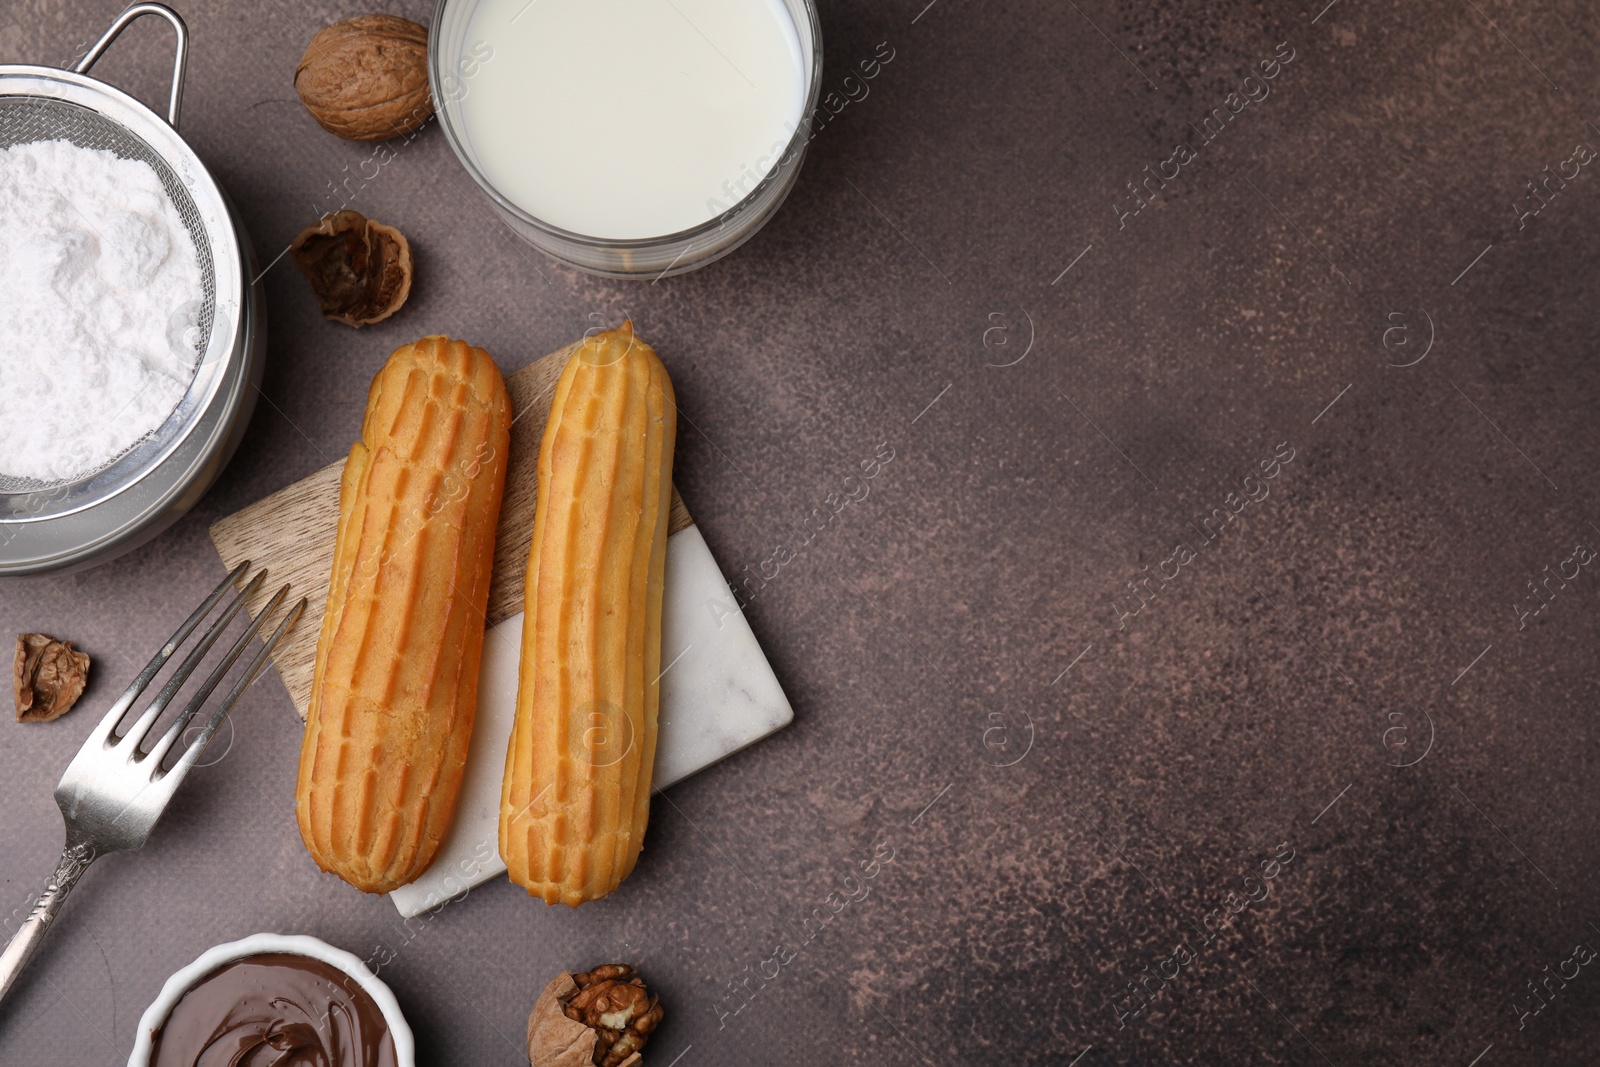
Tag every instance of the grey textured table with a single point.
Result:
(1069, 717)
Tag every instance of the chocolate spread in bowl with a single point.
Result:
(274, 1009)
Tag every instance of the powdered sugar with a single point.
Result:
(99, 286)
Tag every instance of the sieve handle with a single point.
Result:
(179, 62)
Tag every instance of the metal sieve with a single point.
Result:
(219, 331)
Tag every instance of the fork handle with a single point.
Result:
(75, 859)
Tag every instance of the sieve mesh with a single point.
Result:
(24, 119)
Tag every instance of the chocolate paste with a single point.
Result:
(274, 1009)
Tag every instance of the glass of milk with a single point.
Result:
(629, 138)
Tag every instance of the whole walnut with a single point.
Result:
(366, 78)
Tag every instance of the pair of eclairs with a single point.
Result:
(396, 683)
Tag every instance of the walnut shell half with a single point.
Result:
(366, 78)
(49, 677)
(359, 269)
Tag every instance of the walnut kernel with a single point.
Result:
(49, 677)
(598, 1018)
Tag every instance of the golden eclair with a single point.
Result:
(396, 683)
(576, 793)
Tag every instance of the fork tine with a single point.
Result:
(180, 675)
(168, 739)
(191, 755)
(108, 724)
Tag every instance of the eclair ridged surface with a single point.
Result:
(576, 794)
(396, 683)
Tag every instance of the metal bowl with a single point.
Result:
(94, 517)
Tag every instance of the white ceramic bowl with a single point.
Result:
(297, 944)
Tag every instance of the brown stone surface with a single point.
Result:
(1259, 697)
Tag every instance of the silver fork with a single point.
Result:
(112, 793)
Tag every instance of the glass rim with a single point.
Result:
(791, 152)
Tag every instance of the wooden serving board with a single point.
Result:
(291, 533)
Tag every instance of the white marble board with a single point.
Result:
(718, 694)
